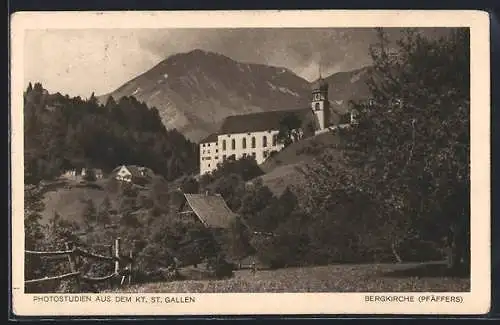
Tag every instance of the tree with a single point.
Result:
(77, 132)
(288, 128)
(411, 143)
(103, 214)
(33, 230)
(90, 175)
(89, 212)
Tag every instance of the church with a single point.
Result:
(256, 134)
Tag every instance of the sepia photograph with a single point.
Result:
(247, 159)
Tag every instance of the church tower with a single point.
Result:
(319, 103)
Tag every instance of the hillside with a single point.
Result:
(69, 198)
(195, 91)
(284, 168)
(346, 86)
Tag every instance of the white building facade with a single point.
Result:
(256, 134)
(258, 144)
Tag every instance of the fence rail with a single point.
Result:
(123, 263)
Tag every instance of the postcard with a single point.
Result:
(250, 162)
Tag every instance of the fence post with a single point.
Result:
(131, 256)
(72, 262)
(117, 255)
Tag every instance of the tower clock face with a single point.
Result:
(317, 96)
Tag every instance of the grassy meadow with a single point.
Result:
(429, 277)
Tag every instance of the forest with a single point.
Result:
(62, 133)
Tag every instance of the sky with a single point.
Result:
(79, 62)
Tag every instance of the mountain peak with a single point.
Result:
(195, 91)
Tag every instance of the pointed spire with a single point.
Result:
(319, 66)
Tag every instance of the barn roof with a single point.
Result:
(212, 210)
(261, 121)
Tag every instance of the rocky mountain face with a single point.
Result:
(346, 86)
(195, 91)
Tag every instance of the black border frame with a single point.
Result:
(492, 7)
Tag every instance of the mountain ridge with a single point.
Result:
(195, 91)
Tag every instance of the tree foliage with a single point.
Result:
(63, 133)
(289, 129)
(409, 153)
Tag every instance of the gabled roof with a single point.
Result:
(211, 210)
(255, 122)
(134, 170)
(210, 138)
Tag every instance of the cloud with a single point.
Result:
(83, 61)
(78, 62)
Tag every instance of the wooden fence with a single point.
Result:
(123, 264)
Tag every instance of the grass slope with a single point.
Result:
(428, 277)
(283, 169)
(68, 198)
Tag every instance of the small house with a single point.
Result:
(97, 172)
(132, 174)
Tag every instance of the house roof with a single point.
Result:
(261, 121)
(210, 138)
(134, 170)
(212, 210)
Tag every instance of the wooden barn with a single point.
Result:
(211, 211)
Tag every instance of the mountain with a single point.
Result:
(346, 86)
(195, 91)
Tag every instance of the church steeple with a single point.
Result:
(319, 102)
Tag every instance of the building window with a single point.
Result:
(233, 144)
(253, 142)
(216, 157)
(223, 145)
(208, 165)
(316, 107)
(224, 157)
(253, 154)
(244, 143)
(244, 155)
(264, 141)
(275, 139)
(216, 150)
(265, 153)
(203, 144)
